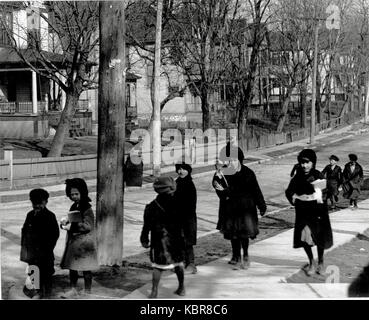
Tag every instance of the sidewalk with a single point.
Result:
(272, 261)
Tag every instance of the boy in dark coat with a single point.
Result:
(166, 241)
(312, 224)
(333, 173)
(39, 235)
(239, 197)
(186, 198)
(352, 179)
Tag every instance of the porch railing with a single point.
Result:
(23, 107)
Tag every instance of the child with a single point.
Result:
(333, 173)
(166, 240)
(352, 178)
(80, 249)
(186, 198)
(312, 224)
(39, 235)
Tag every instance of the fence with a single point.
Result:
(86, 165)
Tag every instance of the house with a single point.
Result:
(30, 103)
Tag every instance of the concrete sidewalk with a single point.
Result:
(272, 261)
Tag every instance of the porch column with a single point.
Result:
(34, 92)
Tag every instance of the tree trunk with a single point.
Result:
(361, 92)
(242, 127)
(206, 117)
(303, 97)
(318, 100)
(284, 111)
(63, 127)
(111, 135)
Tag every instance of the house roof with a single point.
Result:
(10, 58)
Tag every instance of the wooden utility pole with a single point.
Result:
(111, 133)
(313, 91)
(156, 124)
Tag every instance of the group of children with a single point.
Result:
(170, 221)
(40, 233)
(347, 180)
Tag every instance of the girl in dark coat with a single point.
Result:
(240, 195)
(333, 173)
(80, 252)
(186, 198)
(39, 235)
(352, 179)
(312, 225)
(166, 237)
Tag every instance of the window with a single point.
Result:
(33, 27)
(6, 17)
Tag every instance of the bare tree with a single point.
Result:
(73, 26)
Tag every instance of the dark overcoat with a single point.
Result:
(40, 233)
(352, 181)
(309, 213)
(186, 199)
(334, 179)
(238, 204)
(80, 251)
(161, 223)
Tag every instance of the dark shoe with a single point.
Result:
(355, 207)
(191, 269)
(234, 260)
(308, 269)
(319, 269)
(180, 291)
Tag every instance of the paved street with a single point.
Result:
(273, 177)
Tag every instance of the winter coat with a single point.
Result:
(133, 172)
(185, 200)
(40, 233)
(80, 252)
(334, 179)
(309, 213)
(237, 205)
(352, 181)
(166, 236)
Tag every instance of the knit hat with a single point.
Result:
(307, 154)
(352, 157)
(231, 152)
(333, 157)
(183, 165)
(164, 185)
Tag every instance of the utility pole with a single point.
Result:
(156, 125)
(366, 100)
(313, 93)
(111, 133)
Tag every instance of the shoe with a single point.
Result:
(319, 269)
(351, 206)
(308, 269)
(72, 293)
(191, 269)
(246, 261)
(355, 208)
(234, 260)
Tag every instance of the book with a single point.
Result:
(319, 184)
(75, 216)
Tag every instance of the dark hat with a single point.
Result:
(78, 184)
(183, 165)
(38, 195)
(334, 157)
(164, 185)
(352, 157)
(231, 152)
(307, 154)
